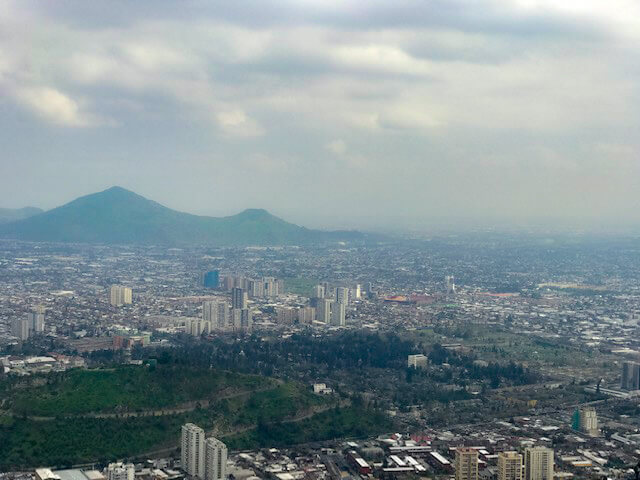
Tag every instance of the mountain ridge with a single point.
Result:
(119, 216)
(12, 214)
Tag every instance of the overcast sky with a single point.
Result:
(328, 113)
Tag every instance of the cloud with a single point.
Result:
(237, 123)
(338, 147)
(55, 107)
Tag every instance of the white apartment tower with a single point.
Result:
(538, 463)
(192, 454)
(215, 459)
(120, 295)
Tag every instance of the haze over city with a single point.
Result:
(367, 115)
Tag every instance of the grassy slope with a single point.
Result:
(123, 389)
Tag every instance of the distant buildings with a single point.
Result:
(466, 463)
(211, 279)
(630, 376)
(417, 361)
(216, 313)
(538, 463)
(318, 292)
(192, 452)
(200, 457)
(215, 459)
(509, 466)
(120, 296)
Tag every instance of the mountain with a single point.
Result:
(13, 214)
(119, 216)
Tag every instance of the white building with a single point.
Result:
(121, 471)
(417, 361)
(215, 459)
(323, 311)
(538, 463)
(120, 296)
(192, 453)
(318, 291)
(217, 314)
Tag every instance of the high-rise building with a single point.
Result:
(318, 291)
(270, 287)
(630, 376)
(450, 285)
(215, 459)
(121, 471)
(192, 454)
(211, 279)
(246, 319)
(538, 463)
(466, 463)
(238, 298)
(357, 292)
(216, 313)
(338, 318)
(509, 466)
(588, 421)
(36, 321)
(323, 310)
(21, 328)
(342, 295)
(120, 295)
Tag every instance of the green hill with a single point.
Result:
(12, 214)
(119, 216)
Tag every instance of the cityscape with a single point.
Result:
(319, 240)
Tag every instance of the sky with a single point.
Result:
(351, 114)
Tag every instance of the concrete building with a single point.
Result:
(318, 291)
(417, 361)
(630, 376)
(21, 328)
(466, 463)
(192, 452)
(538, 463)
(121, 471)
(449, 284)
(215, 459)
(306, 314)
(217, 314)
(509, 466)
(323, 310)
(239, 298)
(342, 295)
(120, 296)
(587, 421)
(211, 279)
(338, 314)
(286, 315)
